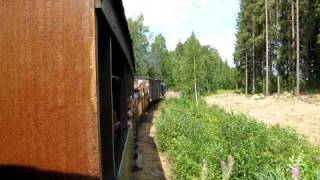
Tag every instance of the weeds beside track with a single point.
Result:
(190, 134)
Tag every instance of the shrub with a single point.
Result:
(190, 134)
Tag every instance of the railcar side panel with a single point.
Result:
(155, 89)
(48, 108)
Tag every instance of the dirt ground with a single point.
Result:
(155, 164)
(173, 94)
(301, 113)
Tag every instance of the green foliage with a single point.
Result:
(176, 67)
(151, 57)
(191, 134)
(269, 176)
(139, 35)
(203, 63)
(251, 32)
(159, 58)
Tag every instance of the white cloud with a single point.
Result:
(213, 21)
(170, 15)
(224, 42)
(176, 35)
(201, 3)
(159, 13)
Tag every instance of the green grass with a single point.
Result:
(312, 91)
(190, 134)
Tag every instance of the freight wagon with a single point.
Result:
(142, 96)
(146, 92)
(154, 88)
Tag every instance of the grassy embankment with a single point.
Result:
(195, 136)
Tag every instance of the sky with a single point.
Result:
(213, 21)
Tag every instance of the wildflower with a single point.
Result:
(222, 163)
(295, 172)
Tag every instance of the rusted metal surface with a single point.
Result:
(48, 117)
(142, 86)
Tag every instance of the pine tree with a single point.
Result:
(282, 60)
(267, 48)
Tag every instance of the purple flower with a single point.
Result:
(222, 163)
(295, 172)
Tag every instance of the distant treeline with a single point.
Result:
(286, 30)
(190, 62)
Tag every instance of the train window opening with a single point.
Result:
(115, 84)
(116, 114)
(105, 96)
(120, 100)
(116, 105)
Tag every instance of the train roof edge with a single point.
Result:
(115, 14)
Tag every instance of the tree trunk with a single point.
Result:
(253, 63)
(246, 90)
(292, 19)
(195, 81)
(298, 52)
(279, 90)
(267, 49)
(278, 63)
(291, 72)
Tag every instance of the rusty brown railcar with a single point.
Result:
(154, 89)
(62, 62)
(141, 87)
